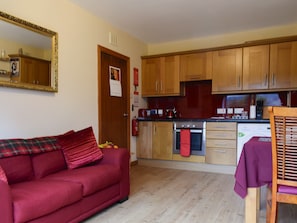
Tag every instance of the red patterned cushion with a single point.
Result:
(2, 175)
(80, 148)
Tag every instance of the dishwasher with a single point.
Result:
(245, 131)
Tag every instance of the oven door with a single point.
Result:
(197, 143)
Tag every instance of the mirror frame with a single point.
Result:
(54, 58)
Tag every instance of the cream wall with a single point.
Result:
(222, 40)
(25, 113)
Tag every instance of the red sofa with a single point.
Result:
(40, 186)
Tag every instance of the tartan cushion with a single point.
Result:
(3, 175)
(80, 148)
(13, 147)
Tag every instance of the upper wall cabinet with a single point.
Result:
(227, 70)
(283, 65)
(255, 67)
(196, 66)
(270, 67)
(160, 76)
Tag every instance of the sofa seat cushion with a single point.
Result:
(40, 197)
(93, 178)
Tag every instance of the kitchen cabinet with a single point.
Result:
(227, 70)
(196, 66)
(255, 67)
(155, 140)
(270, 67)
(283, 66)
(162, 140)
(221, 143)
(31, 70)
(160, 76)
(145, 140)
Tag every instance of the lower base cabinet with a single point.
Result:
(221, 143)
(155, 140)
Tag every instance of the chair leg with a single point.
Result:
(273, 213)
(268, 204)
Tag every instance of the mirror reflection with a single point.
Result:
(28, 55)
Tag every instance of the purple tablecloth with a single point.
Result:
(254, 168)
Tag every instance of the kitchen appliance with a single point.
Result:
(245, 131)
(259, 109)
(171, 113)
(197, 135)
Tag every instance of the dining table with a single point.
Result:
(253, 171)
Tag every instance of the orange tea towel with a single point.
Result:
(185, 142)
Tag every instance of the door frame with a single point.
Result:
(100, 50)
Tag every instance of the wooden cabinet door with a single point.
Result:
(169, 80)
(255, 67)
(144, 140)
(27, 70)
(196, 66)
(227, 70)
(42, 76)
(162, 140)
(151, 71)
(283, 65)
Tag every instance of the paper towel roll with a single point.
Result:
(252, 111)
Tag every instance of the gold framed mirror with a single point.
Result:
(28, 55)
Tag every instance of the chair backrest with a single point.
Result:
(283, 122)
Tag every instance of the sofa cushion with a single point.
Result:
(13, 147)
(17, 168)
(93, 178)
(3, 175)
(80, 148)
(40, 197)
(47, 163)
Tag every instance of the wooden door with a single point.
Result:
(114, 113)
(283, 66)
(255, 67)
(227, 70)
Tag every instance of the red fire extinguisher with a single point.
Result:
(134, 127)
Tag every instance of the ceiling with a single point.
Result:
(157, 21)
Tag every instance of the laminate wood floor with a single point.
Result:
(160, 195)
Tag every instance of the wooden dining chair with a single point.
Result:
(283, 122)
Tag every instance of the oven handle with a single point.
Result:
(192, 130)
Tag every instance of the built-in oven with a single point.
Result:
(197, 136)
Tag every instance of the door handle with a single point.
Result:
(125, 115)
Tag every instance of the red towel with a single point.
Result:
(185, 141)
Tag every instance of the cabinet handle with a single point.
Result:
(156, 86)
(273, 79)
(266, 80)
(161, 85)
(238, 83)
(220, 150)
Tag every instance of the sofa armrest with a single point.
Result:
(6, 214)
(119, 157)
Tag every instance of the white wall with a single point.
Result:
(26, 113)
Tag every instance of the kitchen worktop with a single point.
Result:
(206, 119)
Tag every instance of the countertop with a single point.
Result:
(205, 119)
